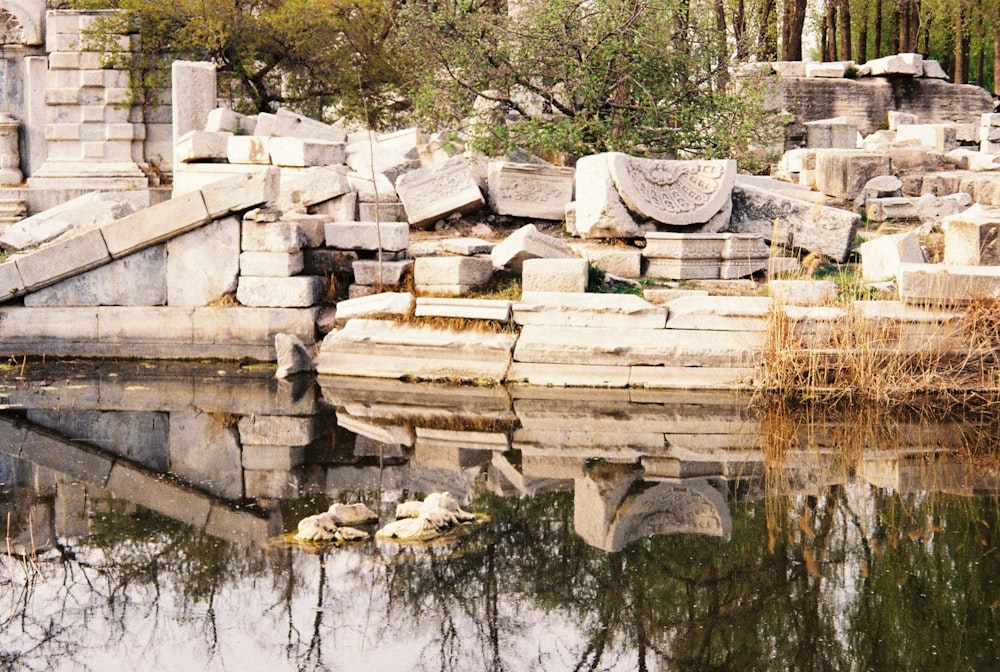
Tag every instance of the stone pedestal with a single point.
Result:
(92, 143)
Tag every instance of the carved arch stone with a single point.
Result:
(676, 193)
(20, 24)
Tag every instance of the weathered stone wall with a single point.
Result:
(866, 102)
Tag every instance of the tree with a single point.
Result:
(309, 55)
(571, 77)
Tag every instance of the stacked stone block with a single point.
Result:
(989, 134)
(90, 136)
(381, 253)
(272, 263)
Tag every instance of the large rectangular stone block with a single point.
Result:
(291, 125)
(389, 236)
(271, 264)
(72, 256)
(947, 285)
(280, 236)
(368, 272)
(972, 237)
(313, 186)
(279, 430)
(136, 280)
(556, 309)
(155, 224)
(842, 173)
(243, 326)
(300, 291)
(470, 309)
(11, 285)
(554, 275)
(429, 195)
(452, 270)
(298, 152)
(201, 146)
(530, 190)
(242, 192)
(248, 149)
(203, 264)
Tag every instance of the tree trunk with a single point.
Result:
(996, 58)
(893, 28)
(830, 52)
(791, 30)
(739, 31)
(844, 28)
(961, 66)
(767, 36)
(722, 73)
(877, 41)
(914, 25)
(981, 64)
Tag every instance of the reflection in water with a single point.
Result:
(629, 529)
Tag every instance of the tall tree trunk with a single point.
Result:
(893, 28)
(830, 53)
(740, 31)
(996, 57)
(961, 55)
(904, 25)
(792, 25)
(722, 73)
(877, 41)
(981, 64)
(844, 28)
(914, 25)
(767, 36)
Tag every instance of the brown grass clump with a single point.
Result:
(860, 358)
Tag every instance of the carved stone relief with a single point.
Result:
(11, 31)
(677, 193)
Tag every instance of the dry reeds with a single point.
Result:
(881, 359)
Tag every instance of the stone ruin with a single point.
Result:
(281, 224)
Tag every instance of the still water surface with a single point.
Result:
(147, 511)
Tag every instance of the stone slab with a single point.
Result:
(554, 275)
(376, 305)
(682, 269)
(248, 150)
(289, 124)
(151, 491)
(279, 430)
(432, 194)
(618, 260)
(136, 280)
(972, 237)
(947, 285)
(241, 192)
(298, 152)
(599, 211)
(588, 310)
(273, 457)
(271, 264)
(155, 224)
(391, 273)
(471, 309)
(803, 292)
(195, 146)
(369, 236)
(11, 285)
(281, 236)
(470, 271)
(218, 471)
(203, 265)
(690, 378)
(313, 186)
(380, 349)
(81, 213)
(301, 291)
(569, 375)
(615, 347)
(57, 261)
(530, 190)
(719, 313)
(794, 223)
(842, 173)
(528, 243)
(881, 257)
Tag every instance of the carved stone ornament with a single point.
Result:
(11, 30)
(529, 190)
(677, 193)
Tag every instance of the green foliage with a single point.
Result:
(324, 59)
(564, 78)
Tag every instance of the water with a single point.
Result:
(148, 507)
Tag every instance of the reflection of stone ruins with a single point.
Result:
(638, 463)
(189, 230)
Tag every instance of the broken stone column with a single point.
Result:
(195, 95)
(10, 158)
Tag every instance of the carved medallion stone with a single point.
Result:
(677, 193)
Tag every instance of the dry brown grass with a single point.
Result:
(860, 358)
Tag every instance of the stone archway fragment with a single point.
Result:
(675, 193)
